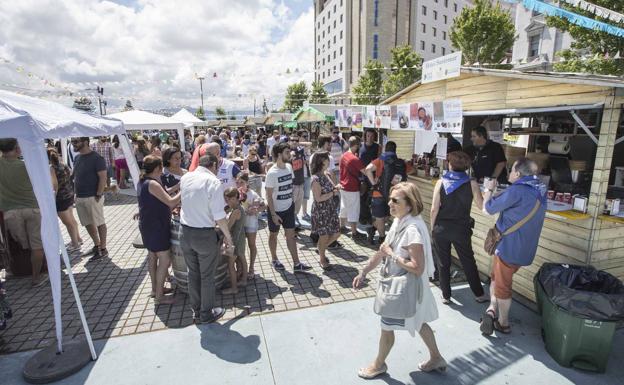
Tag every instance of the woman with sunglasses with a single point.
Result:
(253, 165)
(406, 250)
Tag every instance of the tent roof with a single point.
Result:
(312, 114)
(143, 120)
(49, 120)
(188, 118)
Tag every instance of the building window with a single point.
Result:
(341, 34)
(323, 19)
(329, 44)
(341, 18)
(334, 23)
(446, 3)
(334, 54)
(323, 33)
(443, 35)
(433, 48)
(534, 42)
(341, 66)
(319, 51)
(443, 51)
(424, 28)
(328, 58)
(445, 19)
(334, 69)
(424, 10)
(323, 61)
(328, 14)
(334, 39)
(455, 7)
(435, 15)
(341, 50)
(422, 45)
(318, 24)
(375, 46)
(435, 31)
(376, 13)
(318, 39)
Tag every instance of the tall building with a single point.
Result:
(348, 33)
(537, 43)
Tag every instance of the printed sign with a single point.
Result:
(447, 116)
(382, 117)
(356, 121)
(421, 116)
(444, 67)
(441, 148)
(368, 118)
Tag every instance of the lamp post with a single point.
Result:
(201, 90)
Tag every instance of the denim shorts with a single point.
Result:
(307, 183)
(379, 208)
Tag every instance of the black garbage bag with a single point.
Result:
(583, 291)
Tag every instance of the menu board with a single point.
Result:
(447, 116)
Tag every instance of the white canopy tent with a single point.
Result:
(143, 120)
(31, 121)
(190, 121)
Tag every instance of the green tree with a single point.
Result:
(318, 94)
(484, 33)
(200, 113)
(128, 106)
(600, 46)
(220, 111)
(296, 94)
(405, 69)
(370, 84)
(84, 104)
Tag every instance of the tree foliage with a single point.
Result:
(405, 69)
(84, 104)
(369, 86)
(318, 93)
(220, 112)
(128, 106)
(484, 33)
(592, 50)
(296, 94)
(200, 113)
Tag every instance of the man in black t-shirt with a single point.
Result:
(90, 181)
(488, 157)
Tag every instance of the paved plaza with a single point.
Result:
(115, 292)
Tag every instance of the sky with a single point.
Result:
(152, 51)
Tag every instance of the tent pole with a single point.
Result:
(77, 298)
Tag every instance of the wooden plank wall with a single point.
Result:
(563, 241)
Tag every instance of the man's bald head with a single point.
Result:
(214, 149)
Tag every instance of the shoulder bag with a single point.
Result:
(494, 236)
(397, 295)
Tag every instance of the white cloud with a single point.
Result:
(154, 49)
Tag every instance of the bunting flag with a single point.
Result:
(551, 10)
(597, 10)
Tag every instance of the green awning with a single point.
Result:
(311, 114)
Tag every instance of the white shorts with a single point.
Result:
(350, 205)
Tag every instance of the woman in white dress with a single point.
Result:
(411, 251)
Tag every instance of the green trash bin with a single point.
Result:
(571, 339)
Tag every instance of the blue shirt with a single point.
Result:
(513, 204)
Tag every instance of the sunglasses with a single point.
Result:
(395, 200)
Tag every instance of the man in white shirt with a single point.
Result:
(279, 193)
(271, 141)
(202, 210)
(227, 170)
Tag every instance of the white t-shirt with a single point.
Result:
(118, 153)
(280, 180)
(227, 173)
(252, 199)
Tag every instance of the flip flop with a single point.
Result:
(487, 323)
(363, 373)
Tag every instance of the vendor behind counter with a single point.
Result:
(488, 157)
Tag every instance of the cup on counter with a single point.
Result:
(551, 194)
(559, 197)
(567, 198)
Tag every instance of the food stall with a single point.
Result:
(571, 125)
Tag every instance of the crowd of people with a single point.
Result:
(223, 184)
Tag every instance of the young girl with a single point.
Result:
(236, 223)
(253, 205)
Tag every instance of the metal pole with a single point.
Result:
(201, 89)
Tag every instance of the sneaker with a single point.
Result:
(216, 313)
(277, 265)
(300, 268)
(104, 253)
(370, 232)
(306, 218)
(94, 250)
(334, 245)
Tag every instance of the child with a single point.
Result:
(236, 222)
(253, 205)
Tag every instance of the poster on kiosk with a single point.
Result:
(368, 117)
(382, 117)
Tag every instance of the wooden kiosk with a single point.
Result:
(586, 108)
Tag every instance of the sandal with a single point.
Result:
(368, 375)
(501, 329)
(482, 299)
(166, 290)
(446, 301)
(487, 323)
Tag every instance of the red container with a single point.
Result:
(567, 198)
(551, 194)
(559, 197)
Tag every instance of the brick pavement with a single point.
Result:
(115, 292)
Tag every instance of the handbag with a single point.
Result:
(494, 236)
(397, 295)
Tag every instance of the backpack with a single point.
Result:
(392, 166)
